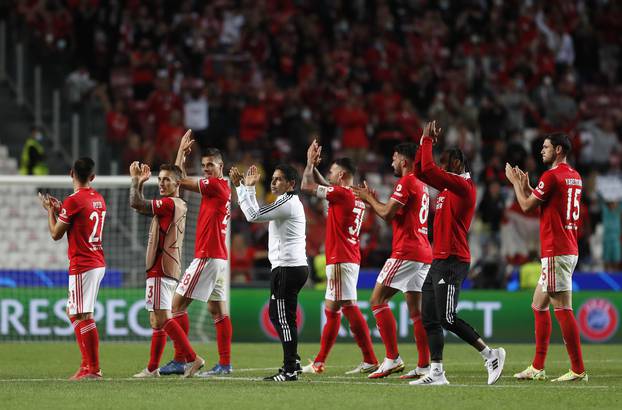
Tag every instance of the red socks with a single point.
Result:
(158, 341)
(329, 334)
(388, 329)
(182, 320)
(360, 330)
(543, 336)
(90, 341)
(75, 323)
(570, 332)
(180, 340)
(421, 339)
(224, 332)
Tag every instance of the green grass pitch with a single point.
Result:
(33, 375)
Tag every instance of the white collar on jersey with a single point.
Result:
(466, 175)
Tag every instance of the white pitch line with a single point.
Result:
(405, 384)
(484, 376)
(258, 369)
(338, 382)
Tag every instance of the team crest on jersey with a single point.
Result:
(267, 327)
(158, 203)
(598, 320)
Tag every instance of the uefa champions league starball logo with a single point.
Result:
(268, 328)
(598, 320)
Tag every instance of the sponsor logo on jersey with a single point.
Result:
(439, 202)
(267, 327)
(598, 320)
(574, 181)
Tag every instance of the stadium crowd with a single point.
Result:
(260, 79)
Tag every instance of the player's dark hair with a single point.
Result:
(289, 172)
(213, 152)
(406, 149)
(457, 154)
(347, 164)
(559, 139)
(83, 169)
(172, 168)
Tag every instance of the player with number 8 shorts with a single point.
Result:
(406, 269)
(205, 278)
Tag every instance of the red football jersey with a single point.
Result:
(410, 224)
(455, 205)
(85, 211)
(164, 209)
(214, 215)
(559, 189)
(343, 225)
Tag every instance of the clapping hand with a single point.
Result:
(56, 205)
(236, 176)
(142, 172)
(523, 178)
(511, 174)
(314, 153)
(186, 143)
(430, 131)
(364, 192)
(46, 202)
(252, 176)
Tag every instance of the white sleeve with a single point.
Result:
(321, 192)
(247, 198)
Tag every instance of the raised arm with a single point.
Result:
(57, 228)
(431, 173)
(417, 166)
(190, 184)
(319, 177)
(140, 175)
(520, 182)
(185, 148)
(385, 211)
(247, 198)
(309, 184)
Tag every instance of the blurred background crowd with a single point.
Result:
(260, 79)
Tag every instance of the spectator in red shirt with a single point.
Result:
(162, 101)
(352, 120)
(135, 150)
(143, 62)
(253, 121)
(388, 134)
(117, 123)
(385, 101)
(243, 259)
(168, 137)
(409, 121)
